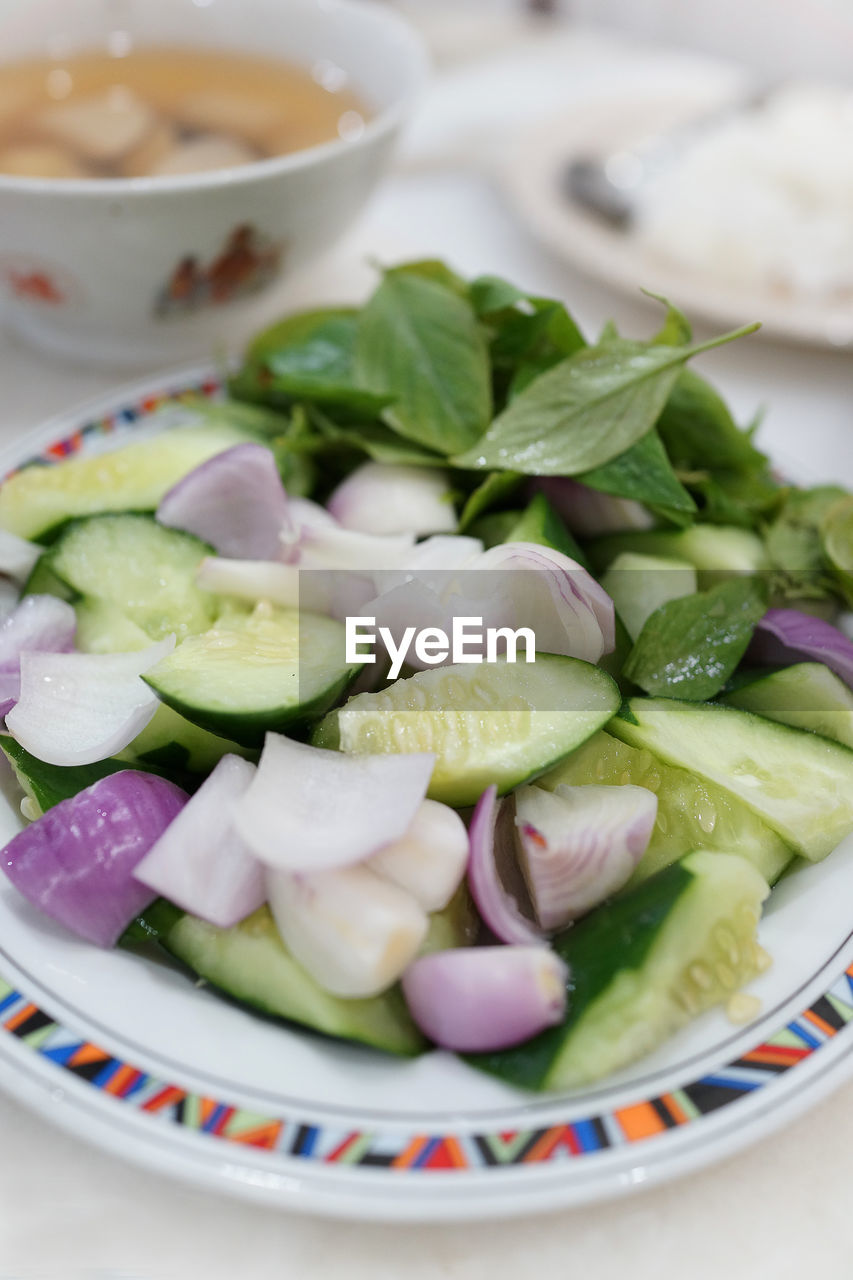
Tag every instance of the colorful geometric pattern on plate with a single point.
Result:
(137, 1060)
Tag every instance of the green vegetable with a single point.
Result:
(799, 784)
(689, 647)
(712, 549)
(837, 534)
(540, 523)
(693, 813)
(420, 343)
(491, 492)
(644, 473)
(807, 696)
(639, 584)
(585, 411)
(642, 966)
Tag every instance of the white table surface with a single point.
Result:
(782, 1208)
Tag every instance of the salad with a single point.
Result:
(258, 730)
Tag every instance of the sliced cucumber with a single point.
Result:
(642, 966)
(500, 723)
(45, 785)
(172, 743)
(255, 672)
(145, 569)
(640, 584)
(706, 546)
(456, 926)
(44, 582)
(104, 627)
(251, 963)
(692, 812)
(805, 696)
(799, 784)
(131, 478)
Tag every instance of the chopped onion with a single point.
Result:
(41, 624)
(444, 551)
(17, 556)
(76, 708)
(331, 547)
(579, 845)
(385, 498)
(353, 931)
(250, 580)
(308, 809)
(76, 862)
(590, 513)
(429, 860)
(475, 999)
(554, 595)
(234, 501)
(199, 862)
(786, 636)
(9, 594)
(497, 905)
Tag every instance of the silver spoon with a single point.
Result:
(609, 185)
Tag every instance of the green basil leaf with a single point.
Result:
(645, 474)
(492, 492)
(540, 523)
(742, 498)
(676, 329)
(689, 647)
(432, 269)
(492, 293)
(699, 432)
(586, 410)
(420, 343)
(309, 356)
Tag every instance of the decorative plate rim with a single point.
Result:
(338, 1170)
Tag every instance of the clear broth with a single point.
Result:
(162, 112)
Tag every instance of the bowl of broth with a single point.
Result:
(165, 164)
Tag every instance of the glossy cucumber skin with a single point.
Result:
(806, 695)
(629, 960)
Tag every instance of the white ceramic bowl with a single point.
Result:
(86, 265)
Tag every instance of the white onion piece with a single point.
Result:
(547, 591)
(250, 580)
(308, 809)
(497, 906)
(429, 860)
(9, 593)
(579, 845)
(385, 498)
(331, 547)
(234, 501)
(200, 862)
(352, 930)
(475, 999)
(588, 512)
(17, 556)
(444, 551)
(41, 624)
(76, 708)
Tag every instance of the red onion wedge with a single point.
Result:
(199, 862)
(786, 636)
(588, 512)
(429, 860)
(491, 843)
(382, 498)
(308, 809)
(76, 862)
(17, 556)
(475, 999)
(568, 610)
(234, 501)
(579, 845)
(41, 624)
(353, 931)
(76, 708)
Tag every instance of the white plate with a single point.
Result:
(132, 1056)
(533, 171)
